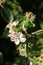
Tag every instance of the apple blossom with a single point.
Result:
(16, 37)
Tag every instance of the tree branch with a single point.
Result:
(33, 33)
(37, 32)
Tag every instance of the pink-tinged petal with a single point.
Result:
(12, 39)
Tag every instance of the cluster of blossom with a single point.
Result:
(30, 16)
(2, 1)
(16, 37)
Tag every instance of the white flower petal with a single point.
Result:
(22, 39)
(11, 31)
(15, 23)
(20, 34)
(17, 42)
(31, 63)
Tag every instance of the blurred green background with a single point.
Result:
(8, 53)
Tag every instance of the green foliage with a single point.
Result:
(29, 50)
(20, 61)
(6, 14)
(35, 62)
(15, 7)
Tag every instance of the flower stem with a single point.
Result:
(25, 50)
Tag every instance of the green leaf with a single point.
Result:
(6, 14)
(31, 24)
(17, 29)
(35, 62)
(25, 23)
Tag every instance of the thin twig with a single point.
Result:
(33, 33)
(37, 32)
(25, 50)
